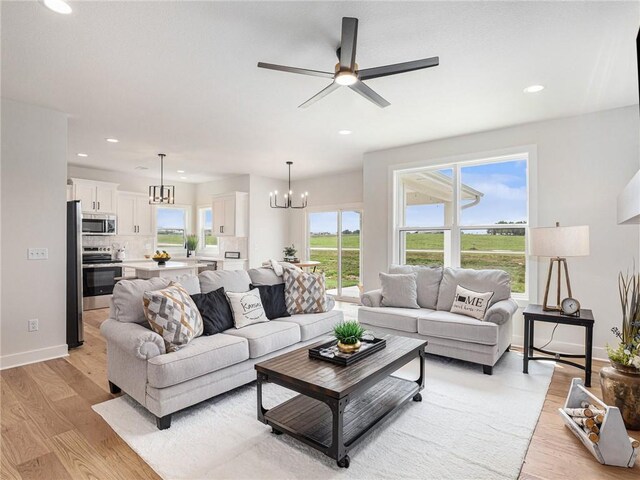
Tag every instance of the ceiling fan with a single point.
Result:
(347, 72)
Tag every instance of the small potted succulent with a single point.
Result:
(349, 335)
(290, 254)
(620, 383)
(191, 244)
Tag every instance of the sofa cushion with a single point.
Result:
(315, 324)
(264, 276)
(231, 280)
(247, 308)
(273, 301)
(427, 282)
(458, 327)
(173, 315)
(267, 337)
(126, 304)
(401, 319)
(215, 310)
(203, 355)
(190, 282)
(399, 290)
(496, 281)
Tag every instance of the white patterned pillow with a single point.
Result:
(304, 292)
(173, 315)
(470, 303)
(247, 308)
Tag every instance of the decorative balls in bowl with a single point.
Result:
(161, 257)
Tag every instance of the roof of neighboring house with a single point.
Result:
(429, 188)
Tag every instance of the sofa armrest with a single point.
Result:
(331, 303)
(372, 298)
(134, 338)
(501, 312)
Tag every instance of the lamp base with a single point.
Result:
(560, 263)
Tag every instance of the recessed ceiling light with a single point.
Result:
(534, 89)
(58, 6)
(344, 132)
(112, 140)
(82, 154)
(180, 171)
(183, 178)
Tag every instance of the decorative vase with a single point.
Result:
(349, 347)
(621, 388)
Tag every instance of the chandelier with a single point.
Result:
(288, 197)
(161, 194)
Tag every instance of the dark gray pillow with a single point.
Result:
(497, 281)
(399, 290)
(427, 280)
(215, 311)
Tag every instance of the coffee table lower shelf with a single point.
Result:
(312, 421)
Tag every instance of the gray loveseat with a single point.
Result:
(164, 383)
(449, 334)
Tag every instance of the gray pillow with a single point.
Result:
(496, 281)
(427, 280)
(399, 290)
(126, 303)
(231, 280)
(264, 276)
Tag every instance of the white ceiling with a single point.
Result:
(181, 77)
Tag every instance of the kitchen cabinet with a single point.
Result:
(94, 196)
(135, 215)
(231, 214)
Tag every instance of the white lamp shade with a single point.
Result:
(559, 241)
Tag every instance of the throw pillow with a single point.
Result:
(173, 315)
(215, 310)
(399, 290)
(272, 297)
(470, 303)
(247, 308)
(304, 292)
(427, 282)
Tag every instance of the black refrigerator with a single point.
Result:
(75, 331)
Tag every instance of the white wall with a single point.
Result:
(33, 204)
(330, 191)
(583, 163)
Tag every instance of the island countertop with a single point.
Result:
(152, 266)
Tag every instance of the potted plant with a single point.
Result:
(290, 253)
(349, 335)
(191, 244)
(620, 383)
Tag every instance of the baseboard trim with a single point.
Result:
(33, 356)
(599, 353)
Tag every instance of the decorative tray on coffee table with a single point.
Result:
(329, 352)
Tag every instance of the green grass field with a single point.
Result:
(176, 240)
(513, 264)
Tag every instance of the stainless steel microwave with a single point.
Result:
(95, 224)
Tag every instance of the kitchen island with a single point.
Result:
(172, 270)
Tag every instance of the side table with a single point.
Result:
(535, 313)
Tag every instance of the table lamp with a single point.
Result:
(557, 243)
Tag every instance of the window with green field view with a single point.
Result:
(334, 241)
(171, 227)
(205, 230)
(470, 215)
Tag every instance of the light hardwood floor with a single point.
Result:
(49, 430)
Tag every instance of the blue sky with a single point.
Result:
(328, 221)
(170, 218)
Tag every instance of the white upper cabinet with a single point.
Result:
(231, 214)
(135, 215)
(95, 197)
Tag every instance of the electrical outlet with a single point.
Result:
(33, 325)
(37, 253)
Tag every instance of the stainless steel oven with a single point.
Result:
(99, 275)
(96, 224)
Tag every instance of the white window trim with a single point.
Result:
(187, 221)
(493, 156)
(207, 250)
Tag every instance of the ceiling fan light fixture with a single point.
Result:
(346, 78)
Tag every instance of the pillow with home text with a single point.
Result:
(470, 303)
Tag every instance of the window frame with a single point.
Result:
(187, 219)
(456, 163)
(209, 250)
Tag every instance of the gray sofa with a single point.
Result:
(164, 383)
(449, 334)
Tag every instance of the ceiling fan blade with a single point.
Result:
(303, 71)
(369, 94)
(348, 43)
(369, 73)
(322, 93)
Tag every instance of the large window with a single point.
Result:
(208, 242)
(470, 215)
(171, 225)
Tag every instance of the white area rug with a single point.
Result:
(468, 426)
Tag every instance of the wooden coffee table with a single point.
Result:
(339, 406)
